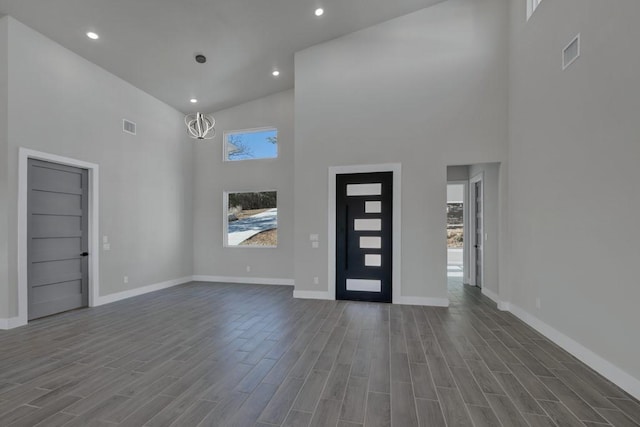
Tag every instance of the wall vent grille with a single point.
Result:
(571, 52)
(128, 126)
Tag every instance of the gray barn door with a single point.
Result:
(57, 233)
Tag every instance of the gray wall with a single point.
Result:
(4, 133)
(426, 90)
(213, 177)
(491, 173)
(60, 103)
(573, 173)
(457, 173)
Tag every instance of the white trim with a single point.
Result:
(313, 295)
(472, 228)
(532, 5)
(396, 168)
(244, 280)
(607, 369)
(504, 306)
(24, 155)
(12, 322)
(118, 296)
(433, 302)
(566, 65)
(495, 298)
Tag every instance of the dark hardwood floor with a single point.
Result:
(244, 355)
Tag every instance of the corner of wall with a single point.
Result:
(4, 134)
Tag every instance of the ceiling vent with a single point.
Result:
(571, 52)
(128, 126)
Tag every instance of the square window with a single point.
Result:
(253, 144)
(251, 219)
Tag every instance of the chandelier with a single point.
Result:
(200, 126)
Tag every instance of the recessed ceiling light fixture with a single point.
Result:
(275, 73)
(92, 35)
(193, 101)
(319, 11)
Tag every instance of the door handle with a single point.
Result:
(84, 254)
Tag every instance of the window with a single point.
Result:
(251, 144)
(532, 5)
(251, 219)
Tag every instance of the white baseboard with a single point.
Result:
(490, 294)
(311, 295)
(107, 299)
(430, 302)
(605, 368)
(246, 280)
(12, 322)
(504, 306)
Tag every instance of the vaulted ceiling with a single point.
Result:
(152, 43)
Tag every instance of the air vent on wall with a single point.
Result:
(571, 52)
(128, 126)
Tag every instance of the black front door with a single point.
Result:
(364, 236)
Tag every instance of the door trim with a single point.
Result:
(472, 229)
(24, 155)
(396, 168)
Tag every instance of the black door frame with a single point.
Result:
(330, 291)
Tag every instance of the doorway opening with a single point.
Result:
(473, 226)
(456, 217)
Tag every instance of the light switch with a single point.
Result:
(105, 239)
(313, 237)
(315, 245)
(106, 246)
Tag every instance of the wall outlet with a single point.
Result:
(105, 239)
(313, 237)
(248, 268)
(106, 246)
(316, 280)
(125, 279)
(315, 245)
(538, 303)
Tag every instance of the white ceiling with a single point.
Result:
(152, 43)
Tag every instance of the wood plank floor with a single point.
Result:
(244, 355)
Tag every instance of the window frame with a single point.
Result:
(225, 219)
(532, 6)
(227, 133)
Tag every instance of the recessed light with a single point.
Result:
(92, 35)
(275, 73)
(193, 100)
(319, 11)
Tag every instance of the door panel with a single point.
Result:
(479, 232)
(364, 236)
(57, 234)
